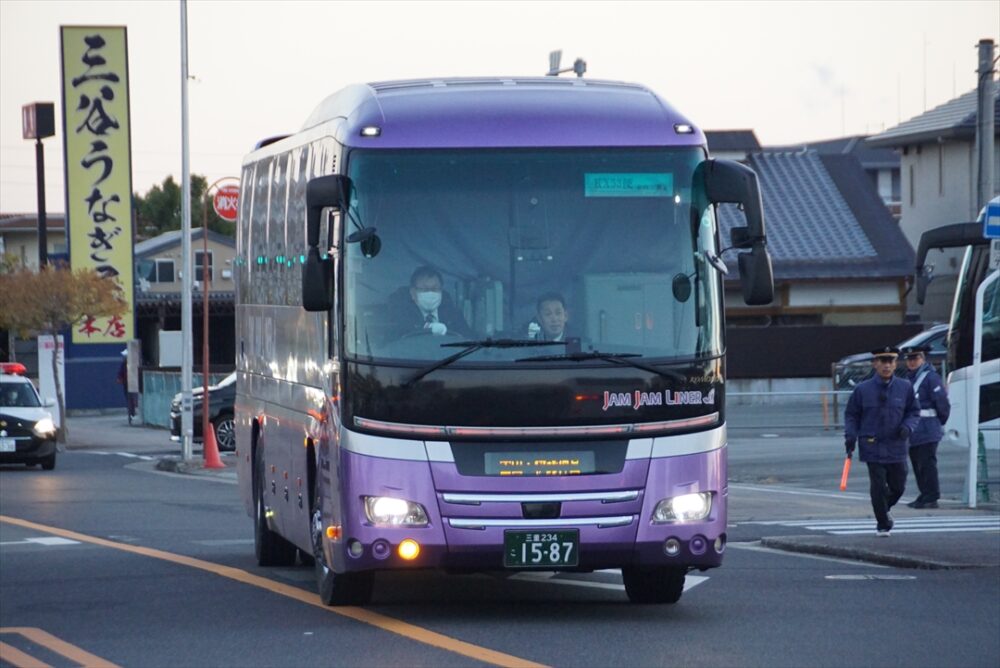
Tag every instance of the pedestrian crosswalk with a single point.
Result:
(900, 526)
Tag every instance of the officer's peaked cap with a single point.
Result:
(886, 350)
(913, 351)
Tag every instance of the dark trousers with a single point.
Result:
(924, 460)
(887, 484)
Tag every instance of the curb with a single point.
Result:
(195, 467)
(796, 544)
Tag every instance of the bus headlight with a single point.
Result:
(683, 508)
(386, 511)
(44, 428)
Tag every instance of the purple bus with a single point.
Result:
(480, 327)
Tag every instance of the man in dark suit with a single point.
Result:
(425, 309)
(551, 316)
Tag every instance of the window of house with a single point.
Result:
(199, 259)
(156, 271)
(912, 197)
(164, 272)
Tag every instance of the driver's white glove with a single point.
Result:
(533, 329)
(438, 328)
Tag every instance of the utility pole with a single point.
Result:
(984, 124)
(38, 122)
(187, 348)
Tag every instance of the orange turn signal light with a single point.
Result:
(409, 549)
(333, 532)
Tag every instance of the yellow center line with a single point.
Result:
(375, 619)
(18, 659)
(49, 641)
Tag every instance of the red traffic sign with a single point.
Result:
(226, 202)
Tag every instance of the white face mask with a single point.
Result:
(429, 300)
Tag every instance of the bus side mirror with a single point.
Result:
(317, 282)
(324, 192)
(727, 181)
(756, 276)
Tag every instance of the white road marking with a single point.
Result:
(938, 524)
(48, 541)
(130, 455)
(799, 492)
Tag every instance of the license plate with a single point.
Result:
(8, 445)
(541, 549)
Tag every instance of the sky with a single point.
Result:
(792, 72)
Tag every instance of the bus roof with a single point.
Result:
(503, 112)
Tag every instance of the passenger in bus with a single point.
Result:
(425, 308)
(551, 316)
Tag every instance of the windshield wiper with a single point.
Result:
(625, 359)
(469, 347)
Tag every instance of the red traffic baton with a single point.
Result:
(843, 476)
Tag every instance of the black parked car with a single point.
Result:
(220, 412)
(851, 370)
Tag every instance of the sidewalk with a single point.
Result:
(930, 550)
(980, 549)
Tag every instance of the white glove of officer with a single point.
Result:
(533, 329)
(438, 328)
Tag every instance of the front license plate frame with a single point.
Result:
(545, 548)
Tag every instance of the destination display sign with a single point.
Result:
(628, 185)
(539, 463)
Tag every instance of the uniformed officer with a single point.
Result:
(881, 414)
(934, 410)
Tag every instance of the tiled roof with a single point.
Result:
(868, 156)
(731, 140)
(955, 118)
(824, 219)
(29, 221)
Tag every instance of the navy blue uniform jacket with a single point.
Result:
(875, 413)
(932, 396)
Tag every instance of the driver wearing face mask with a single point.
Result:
(429, 310)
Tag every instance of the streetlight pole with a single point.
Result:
(38, 122)
(211, 458)
(43, 232)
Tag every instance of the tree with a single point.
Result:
(52, 300)
(160, 210)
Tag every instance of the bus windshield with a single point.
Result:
(609, 250)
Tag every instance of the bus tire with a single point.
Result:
(336, 588)
(654, 585)
(270, 548)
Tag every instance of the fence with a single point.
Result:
(158, 390)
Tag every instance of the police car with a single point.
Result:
(27, 432)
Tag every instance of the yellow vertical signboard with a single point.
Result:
(98, 152)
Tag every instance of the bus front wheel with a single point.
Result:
(654, 585)
(336, 588)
